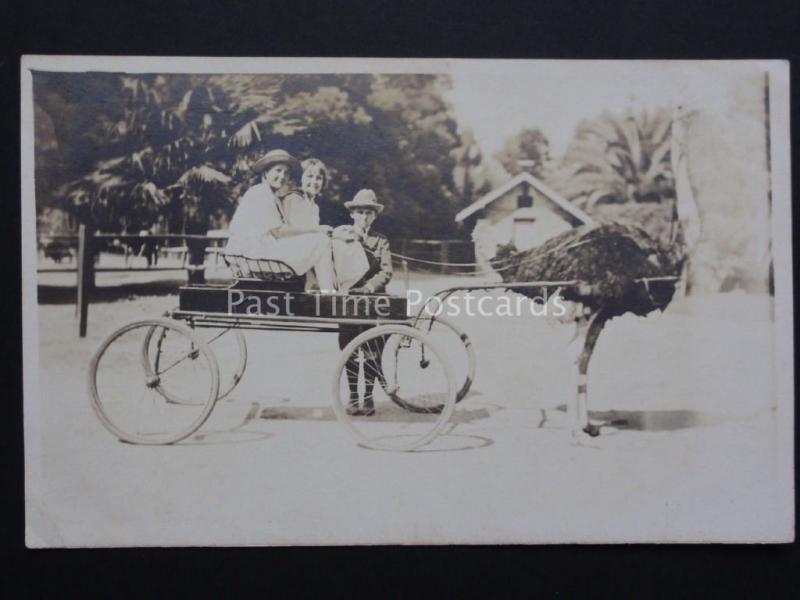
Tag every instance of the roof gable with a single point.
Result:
(515, 181)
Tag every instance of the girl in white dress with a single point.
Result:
(349, 259)
(272, 222)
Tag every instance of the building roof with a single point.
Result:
(551, 194)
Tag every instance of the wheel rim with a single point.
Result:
(127, 393)
(391, 427)
(459, 350)
(228, 345)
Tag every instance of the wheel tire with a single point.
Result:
(444, 413)
(167, 438)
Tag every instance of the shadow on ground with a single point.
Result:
(59, 294)
(650, 420)
(455, 442)
(383, 414)
(203, 438)
(446, 441)
(62, 294)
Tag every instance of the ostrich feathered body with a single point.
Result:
(606, 259)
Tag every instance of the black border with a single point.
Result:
(383, 28)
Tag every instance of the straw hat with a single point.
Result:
(364, 199)
(274, 157)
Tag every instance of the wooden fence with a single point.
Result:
(441, 256)
(89, 244)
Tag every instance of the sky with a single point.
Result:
(497, 99)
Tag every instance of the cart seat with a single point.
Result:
(263, 273)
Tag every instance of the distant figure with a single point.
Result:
(57, 250)
(149, 248)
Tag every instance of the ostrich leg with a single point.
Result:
(578, 343)
(589, 329)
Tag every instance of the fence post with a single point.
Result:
(444, 255)
(85, 281)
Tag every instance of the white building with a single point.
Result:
(523, 211)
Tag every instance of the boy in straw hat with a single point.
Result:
(364, 209)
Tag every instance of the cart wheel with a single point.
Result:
(377, 373)
(229, 347)
(458, 348)
(127, 393)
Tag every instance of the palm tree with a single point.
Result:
(618, 159)
(201, 190)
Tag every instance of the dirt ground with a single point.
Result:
(695, 455)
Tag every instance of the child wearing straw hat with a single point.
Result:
(364, 209)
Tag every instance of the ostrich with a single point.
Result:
(620, 269)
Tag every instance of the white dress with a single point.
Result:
(259, 212)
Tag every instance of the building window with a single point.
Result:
(524, 200)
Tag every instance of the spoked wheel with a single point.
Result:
(458, 348)
(378, 373)
(229, 347)
(128, 393)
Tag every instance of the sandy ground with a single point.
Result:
(698, 459)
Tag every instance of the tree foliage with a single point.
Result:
(125, 151)
(618, 159)
(529, 145)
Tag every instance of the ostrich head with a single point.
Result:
(503, 259)
(504, 252)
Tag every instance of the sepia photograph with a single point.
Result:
(560, 293)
